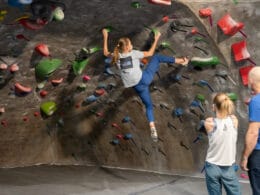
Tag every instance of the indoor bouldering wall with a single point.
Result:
(57, 110)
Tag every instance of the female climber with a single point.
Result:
(221, 154)
(128, 62)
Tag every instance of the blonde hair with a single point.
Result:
(120, 48)
(224, 104)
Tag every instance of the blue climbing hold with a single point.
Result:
(128, 136)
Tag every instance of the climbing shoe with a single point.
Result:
(154, 135)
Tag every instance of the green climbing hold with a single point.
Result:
(135, 4)
(232, 96)
(46, 67)
(204, 62)
(93, 49)
(78, 67)
(166, 45)
(200, 97)
(48, 108)
(109, 28)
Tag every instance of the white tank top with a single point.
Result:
(222, 142)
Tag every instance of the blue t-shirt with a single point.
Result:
(254, 115)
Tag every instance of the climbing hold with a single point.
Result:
(46, 67)
(82, 87)
(36, 114)
(48, 108)
(195, 31)
(22, 90)
(229, 26)
(232, 96)
(58, 14)
(91, 98)
(205, 83)
(115, 142)
(42, 49)
(224, 74)
(25, 118)
(3, 66)
(204, 62)
(160, 2)
(78, 67)
(166, 45)
(86, 78)
(41, 85)
(126, 119)
(165, 19)
(183, 145)
(203, 50)
(21, 36)
(56, 81)
(99, 92)
(244, 73)
(196, 103)
(29, 24)
(240, 51)
(4, 122)
(198, 138)
(116, 126)
(128, 136)
(136, 4)
(200, 97)
(206, 12)
(2, 110)
(14, 68)
(178, 112)
(43, 93)
(119, 136)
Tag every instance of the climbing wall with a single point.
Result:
(83, 115)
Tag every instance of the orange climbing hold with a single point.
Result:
(56, 81)
(14, 68)
(240, 51)
(229, 26)
(160, 2)
(42, 49)
(22, 89)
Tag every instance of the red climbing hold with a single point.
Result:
(43, 93)
(244, 73)
(165, 19)
(36, 114)
(205, 12)
(229, 26)
(160, 2)
(4, 123)
(42, 49)
(240, 51)
(29, 24)
(25, 118)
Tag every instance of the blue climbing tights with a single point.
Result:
(142, 88)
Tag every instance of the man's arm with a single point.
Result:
(250, 143)
(105, 43)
